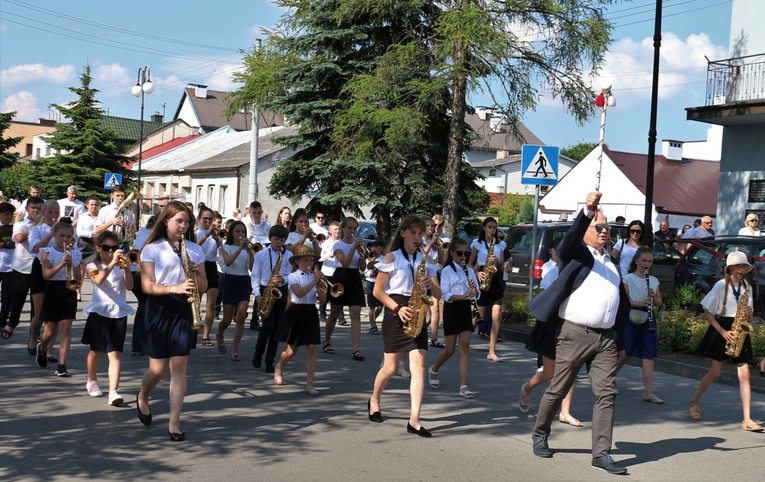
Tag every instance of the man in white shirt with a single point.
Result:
(34, 191)
(7, 247)
(124, 224)
(71, 207)
(22, 262)
(257, 227)
(319, 226)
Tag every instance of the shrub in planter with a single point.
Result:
(517, 310)
(681, 331)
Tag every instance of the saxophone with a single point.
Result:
(72, 283)
(419, 302)
(740, 327)
(193, 299)
(489, 269)
(272, 291)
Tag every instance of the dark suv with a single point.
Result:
(704, 260)
(518, 240)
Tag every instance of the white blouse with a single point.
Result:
(22, 255)
(346, 248)
(636, 286)
(454, 282)
(713, 301)
(402, 271)
(36, 234)
(109, 298)
(294, 237)
(168, 268)
(209, 246)
(85, 225)
(55, 258)
(301, 278)
(483, 251)
(241, 264)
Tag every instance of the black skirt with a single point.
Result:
(299, 325)
(103, 334)
(394, 338)
(541, 341)
(59, 303)
(495, 292)
(353, 294)
(713, 344)
(37, 281)
(458, 317)
(88, 249)
(236, 288)
(167, 326)
(211, 272)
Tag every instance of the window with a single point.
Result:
(222, 200)
(37, 152)
(198, 197)
(210, 198)
(492, 172)
(47, 151)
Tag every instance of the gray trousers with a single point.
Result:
(576, 345)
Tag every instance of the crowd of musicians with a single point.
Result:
(185, 265)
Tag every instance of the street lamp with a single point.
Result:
(142, 86)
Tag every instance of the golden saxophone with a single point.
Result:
(272, 291)
(72, 284)
(419, 301)
(196, 317)
(740, 327)
(489, 269)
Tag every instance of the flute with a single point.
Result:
(651, 318)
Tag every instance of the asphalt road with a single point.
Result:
(241, 426)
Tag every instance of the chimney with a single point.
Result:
(200, 91)
(672, 150)
(157, 118)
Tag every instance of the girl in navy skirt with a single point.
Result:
(348, 262)
(395, 281)
(640, 340)
(720, 307)
(107, 314)
(168, 337)
(59, 303)
(492, 298)
(300, 323)
(458, 290)
(236, 284)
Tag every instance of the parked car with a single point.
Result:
(704, 260)
(518, 240)
(367, 231)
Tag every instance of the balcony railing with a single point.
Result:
(734, 80)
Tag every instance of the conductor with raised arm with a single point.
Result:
(586, 306)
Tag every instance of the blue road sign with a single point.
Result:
(112, 179)
(539, 165)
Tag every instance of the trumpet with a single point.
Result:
(335, 290)
(318, 238)
(251, 246)
(222, 234)
(364, 250)
(132, 258)
(72, 283)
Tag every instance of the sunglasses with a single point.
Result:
(461, 253)
(600, 227)
(109, 247)
(638, 231)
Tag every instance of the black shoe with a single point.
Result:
(61, 371)
(256, 362)
(270, 368)
(145, 419)
(373, 417)
(422, 432)
(52, 359)
(605, 462)
(254, 325)
(41, 359)
(177, 437)
(137, 353)
(541, 449)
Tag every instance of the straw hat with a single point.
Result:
(737, 257)
(302, 251)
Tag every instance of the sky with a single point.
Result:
(44, 45)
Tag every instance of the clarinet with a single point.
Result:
(476, 314)
(651, 317)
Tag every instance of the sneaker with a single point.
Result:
(312, 391)
(342, 322)
(52, 359)
(137, 353)
(93, 389)
(41, 359)
(61, 371)
(115, 399)
(373, 331)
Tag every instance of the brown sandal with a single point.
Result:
(358, 356)
(751, 426)
(693, 411)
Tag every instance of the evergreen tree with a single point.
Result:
(85, 149)
(12, 174)
(7, 158)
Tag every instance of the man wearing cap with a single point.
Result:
(71, 207)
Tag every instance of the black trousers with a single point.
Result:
(266, 341)
(20, 289)
(140, 314)
(6, 296)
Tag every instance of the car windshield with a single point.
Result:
(519, 240)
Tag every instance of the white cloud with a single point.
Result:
(36, 73)
(111, 74)
(221, 78)
(24, 103)
(628, 65)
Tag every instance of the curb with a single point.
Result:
(687, 366)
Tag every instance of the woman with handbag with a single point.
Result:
(640, 337)
(624, 249)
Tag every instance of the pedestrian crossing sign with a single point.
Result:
(112, 179)
(539, 165)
